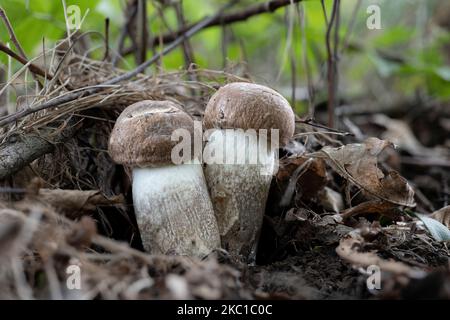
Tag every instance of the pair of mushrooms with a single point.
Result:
(185, 209)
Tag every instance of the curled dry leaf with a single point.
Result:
(372, 207)
(11, 224)
(74, 203)
(357, 162)
(303, 174)
(82, 233)
(442, 215)
(349, 249)
(399, 133)
(331, 200)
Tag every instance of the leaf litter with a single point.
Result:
(335, 208)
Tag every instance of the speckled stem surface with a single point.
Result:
(239, 194)
(173, 210)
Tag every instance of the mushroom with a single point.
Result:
(239, 190)
(172, 205)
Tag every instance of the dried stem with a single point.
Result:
(187, 48)
(331, 62)
(106, 56)
(142, 31)
(14, 40)
(225, 19)
(126, 76)
(131, 12)
(32, 67)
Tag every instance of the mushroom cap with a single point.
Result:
(242, 105)
(142, 134)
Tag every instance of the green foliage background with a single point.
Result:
(407, 55)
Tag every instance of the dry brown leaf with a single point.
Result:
(442, 215)
(11, 224)
(74, 203)
(399, 133)
(371, 207)
(311, 178)
(349, 250)
(358, 163)
(82, 233)
(330, 199)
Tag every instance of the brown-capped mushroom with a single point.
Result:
(239, 190)
(172, 204)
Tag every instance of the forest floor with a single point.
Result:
(343, 205)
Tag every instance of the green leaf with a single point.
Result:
(443, 72)
(384, 67)
(438, 231)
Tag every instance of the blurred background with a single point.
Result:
(351, 69)
(407, 58)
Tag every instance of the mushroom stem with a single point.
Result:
(239, 187)
(173, 210)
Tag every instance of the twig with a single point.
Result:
(126, 76)
(350, 26)
(14, 40)
(324, 9)
(106, 57)
(224, 46)
(311, 94)
(14, 155)
(131, 11)
(32, 67)
(225, 19)
(331, 65)
(12, 35)
(336, 57)
(187, 48)
(142, 31)
(312, 123)
(3, 98)
(426, 162)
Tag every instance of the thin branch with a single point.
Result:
(312, 123)
(12, 35)
(331, 65)
(14, 40)
(32, 67)
(142, 31)
(351, 24)
(336, 57)
(106, 56)
(324, 9)
(126, 76)
(131, 11)
(311, 93)
(18, 153)
(225, 19)
(187, 48)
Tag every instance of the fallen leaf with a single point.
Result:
(442, 215)
(74, 203)
(350, 250)
(437, 230)
(358, 163)
(371, 207)
(331, 200)
(301, 174)
(82, 233)
(399, 133)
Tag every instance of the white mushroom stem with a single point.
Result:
(173, 210)
(239, 186)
